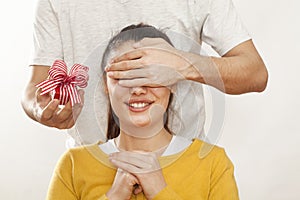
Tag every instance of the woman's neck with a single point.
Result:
(156, 143)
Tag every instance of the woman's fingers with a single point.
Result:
(134, 162)
(137, 189)
(130, 157)
(126, 166)
(123, 185)
(145, 167)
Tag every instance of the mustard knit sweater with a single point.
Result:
(200, 172)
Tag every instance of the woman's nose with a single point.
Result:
(138, 90)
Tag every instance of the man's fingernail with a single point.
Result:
(107, 67)
(110, 74)
(54, 103)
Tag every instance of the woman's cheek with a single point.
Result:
(160, 90)
(117, 93)
(113, 87)
(162, 93)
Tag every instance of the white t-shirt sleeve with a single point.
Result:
(223, 29)
(47, 44)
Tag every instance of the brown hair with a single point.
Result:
(130, 33)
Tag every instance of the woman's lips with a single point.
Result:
(139, 105)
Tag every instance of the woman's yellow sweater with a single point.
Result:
(201, 172)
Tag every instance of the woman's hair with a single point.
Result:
(130, 33)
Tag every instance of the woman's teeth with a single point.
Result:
(139, 105)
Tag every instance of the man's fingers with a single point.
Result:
(81, 94)
(76, 111)
(65, 112)
(68, 123)
(67, 116)
(61, 118)
(134, 54)
(68, 111)
(147, 42)
(125, 65)
(42, 100)
(138, 82)
(49, 111)
(131, 74)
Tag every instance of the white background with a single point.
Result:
(260, 134)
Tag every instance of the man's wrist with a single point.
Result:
(191, 69)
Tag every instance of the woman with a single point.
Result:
(142, 159)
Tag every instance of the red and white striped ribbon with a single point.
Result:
(64, 84)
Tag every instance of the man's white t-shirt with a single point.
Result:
(77, 32)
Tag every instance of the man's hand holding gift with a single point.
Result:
(61, 89)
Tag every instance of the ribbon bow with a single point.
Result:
(63, 84)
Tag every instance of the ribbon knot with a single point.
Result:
(64, 85)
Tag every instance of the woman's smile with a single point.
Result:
(139, 105)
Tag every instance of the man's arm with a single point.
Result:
(42, 108)
(38, 74)
(240, 70)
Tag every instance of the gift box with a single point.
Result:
(62, 85)
(61, 93)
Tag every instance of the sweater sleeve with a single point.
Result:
(223, 185)
(167, 194)
(61, 185)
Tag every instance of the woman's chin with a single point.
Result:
(141, 122)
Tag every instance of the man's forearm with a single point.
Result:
(38, 74)
(232, 74)
(241, 76)
(28, 100)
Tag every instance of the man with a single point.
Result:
(70, 30)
